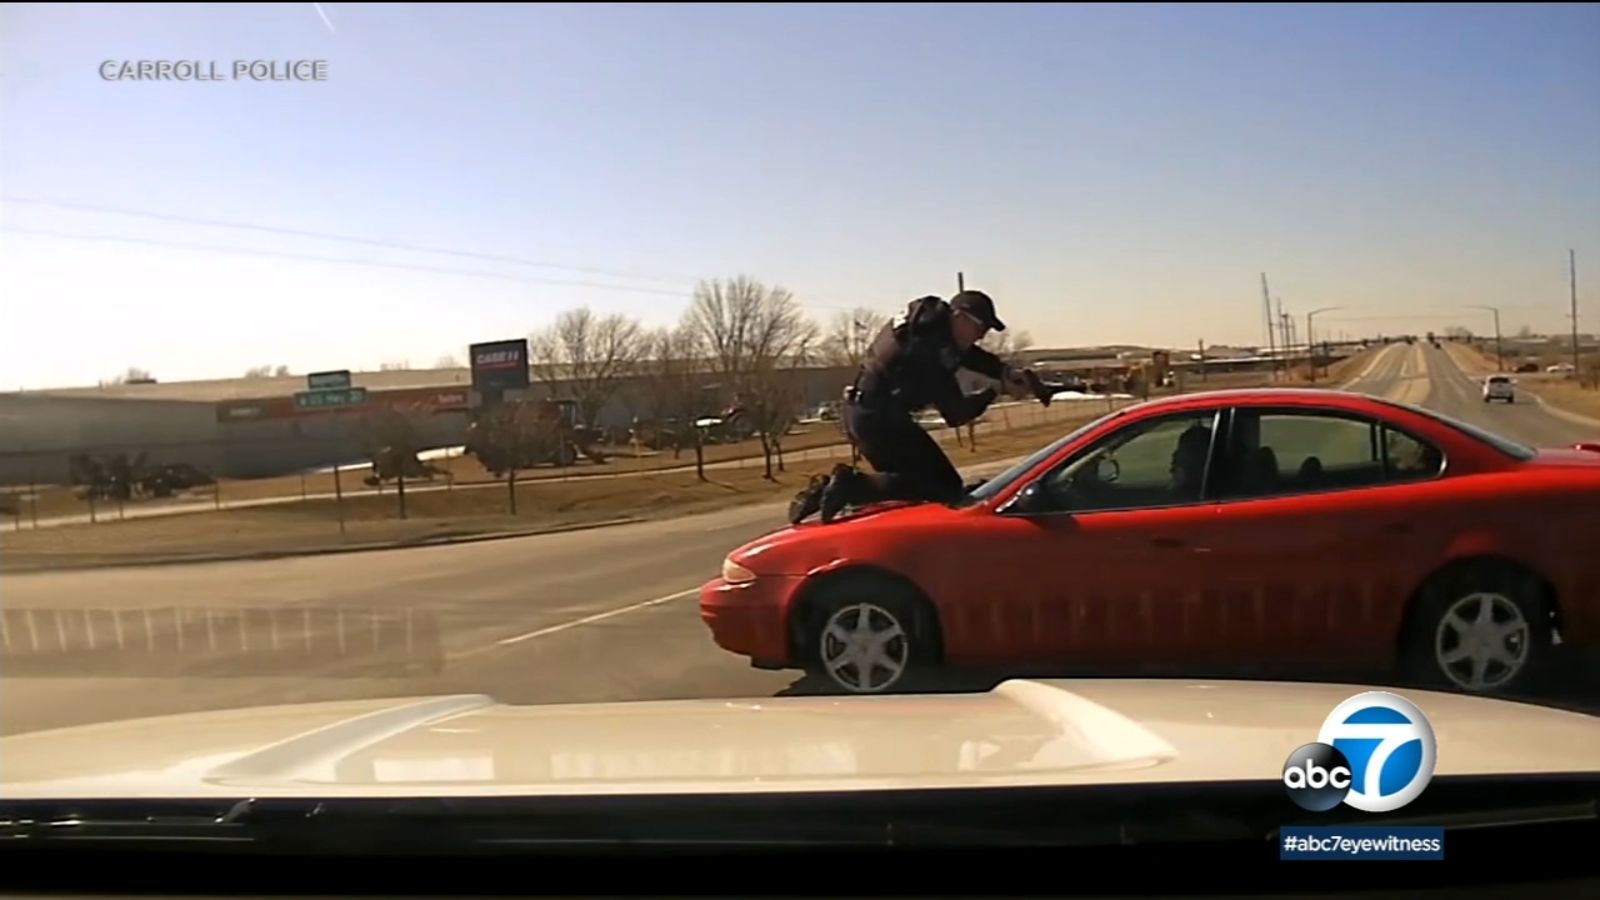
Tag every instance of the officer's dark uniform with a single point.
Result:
(911, 365)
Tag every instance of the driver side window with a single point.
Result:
(1157, 463)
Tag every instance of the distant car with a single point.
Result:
(1499, 387)
(1252, 526)
(1528, 367)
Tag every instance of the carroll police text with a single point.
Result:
(214, 70)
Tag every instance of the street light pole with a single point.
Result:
(1500, 357)
(1572, 263)
(1311, 345)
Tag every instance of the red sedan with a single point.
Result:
(1262, 526)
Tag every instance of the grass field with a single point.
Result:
(313, 525)
(648, 487)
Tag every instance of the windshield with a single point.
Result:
(1000, 482)
(430, 369)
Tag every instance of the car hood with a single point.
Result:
(1023, 732)
(835, 539)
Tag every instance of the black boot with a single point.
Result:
(846, 487)
(809, 499)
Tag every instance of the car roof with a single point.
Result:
(1267, 396)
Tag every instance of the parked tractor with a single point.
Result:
(532, 433)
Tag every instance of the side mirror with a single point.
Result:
(1031, 500)
(1106, 470)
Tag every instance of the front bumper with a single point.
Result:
(750, 619)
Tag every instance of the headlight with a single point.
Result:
(733, 573)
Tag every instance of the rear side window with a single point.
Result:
(1274, 453)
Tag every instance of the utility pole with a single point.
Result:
(1272, 344)
(1286, 333)
(1283, 337)
(961, 282)
(1202, 361)
(1572, 264)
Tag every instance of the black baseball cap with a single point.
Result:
(978, 305)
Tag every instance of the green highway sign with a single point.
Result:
(330, 399)
(329, 381)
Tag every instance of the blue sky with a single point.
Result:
(1108, 173)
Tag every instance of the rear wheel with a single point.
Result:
(1482, 628)
(867, 636)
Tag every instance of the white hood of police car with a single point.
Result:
(1021, 733)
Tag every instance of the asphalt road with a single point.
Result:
(590, 616)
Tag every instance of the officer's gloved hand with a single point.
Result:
(1016, 384)
(1043, 391)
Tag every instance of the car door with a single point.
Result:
(1325, 523)
(1109, 549)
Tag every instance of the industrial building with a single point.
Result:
(253, 427)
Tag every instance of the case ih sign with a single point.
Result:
(497, 367)
(503, 355)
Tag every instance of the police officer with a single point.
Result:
(911, 365)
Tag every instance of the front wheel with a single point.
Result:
(1483, 629)
(864, 637)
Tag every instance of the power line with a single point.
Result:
(312, 257)
(328, 236)
(391, 245)
(683, 294)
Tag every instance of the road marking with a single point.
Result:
(1372, 364)
(597, 617)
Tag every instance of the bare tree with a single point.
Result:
(590, 354)
(390, 438)
(134, 375)
(753, 334)
(1524, 333)
(850, 335)
(671, 370)
(267, 372)
(777, 393)
(447, 362)
(395, 365)
(506, 434)
(724, 315)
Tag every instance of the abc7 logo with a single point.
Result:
(1317, 777)
(1394, 749)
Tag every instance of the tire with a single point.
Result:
(1442, 648)
(832, 619)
